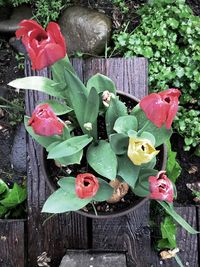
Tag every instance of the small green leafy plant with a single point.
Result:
(168, 36)
(12, 200)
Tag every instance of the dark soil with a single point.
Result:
(8, 122)
(190, 173)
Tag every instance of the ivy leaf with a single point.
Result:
(15, 196)
(3, 187)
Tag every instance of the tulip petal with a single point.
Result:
(54, 30)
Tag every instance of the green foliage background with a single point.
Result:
(169, 36)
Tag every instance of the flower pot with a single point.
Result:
(162, 156)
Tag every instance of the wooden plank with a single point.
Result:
(12, 247)
(129, 233)
(129, 75)
(62, 231)
(187, 243)
(85, 258)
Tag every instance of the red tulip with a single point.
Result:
(161, 107)
(43, 47)
(44, 121)
(87, 185)
(161, 188)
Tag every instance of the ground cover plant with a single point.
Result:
(168, 35)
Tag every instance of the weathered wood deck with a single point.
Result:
(21, 242)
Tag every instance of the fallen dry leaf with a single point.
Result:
(168, 254)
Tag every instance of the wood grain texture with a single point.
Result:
(62, 231)
(12, 243)
(129, 75)
(187, 243)
(129, 233)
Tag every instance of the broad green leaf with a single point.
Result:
(62, 201)
(3, 187)
(69, 147)
(119, 143)
(102, 159)
(150, 165)
(42, 140)
(161, 134)
(104, 192)
(91, 111)
(173, 168)
(142, 186)
(73, 159)
(115, 110)
(125, 123)
(57, 69)
(67, 184)
(15, 196)
(41, 84)
(168, 230)
(58, 108)
(76, 95)
(170, 210)
(127, 170)
(101, 83)
(92, 106)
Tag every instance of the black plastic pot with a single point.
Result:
(105, 215)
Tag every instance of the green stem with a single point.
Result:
(95, 211)
(147, 123)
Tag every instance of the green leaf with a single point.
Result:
(170, 210)
(67, 184)
(142, 186)
(76, 95)
(42, 140)
(173, 168)
(161, 134)
(62, 201)
(69, 147)
(3, 211)
(73, 159)
(102, 159)
(119, 143)
(58, 108)
(101, 83)
(41, 84)
(168, 230)
(3, 187)
(125, 123)
(16, 196)
(92, 106)
(127, 170)
(114, 111)
(57, 69)
(104, 192)
(148, 136)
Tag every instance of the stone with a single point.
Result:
(87, 258)
(85, 30)
(18, 153)
(18, 14)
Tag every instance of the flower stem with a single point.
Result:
(147, 123)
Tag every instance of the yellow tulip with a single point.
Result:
(141, 150)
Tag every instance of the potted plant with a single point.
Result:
(104, 144)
